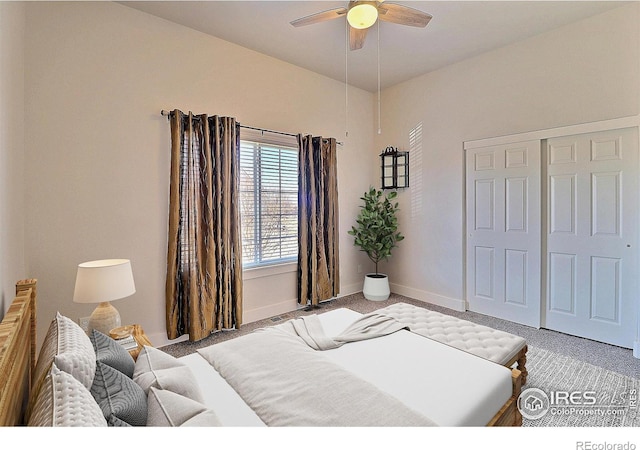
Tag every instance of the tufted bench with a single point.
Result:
(497, 346)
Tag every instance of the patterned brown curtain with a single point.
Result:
(204, 260)
(318, 261)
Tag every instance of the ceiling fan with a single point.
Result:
(363, 14)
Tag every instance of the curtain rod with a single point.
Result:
(166, 113)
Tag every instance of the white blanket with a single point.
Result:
(287, 383)
(370, 326)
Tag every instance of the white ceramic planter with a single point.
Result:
(376, 287)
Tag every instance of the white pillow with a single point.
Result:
(68, 346)
(155, 368)
(168, 409)
(64, 402)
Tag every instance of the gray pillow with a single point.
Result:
(118, 396)
(115, 422)
(111, 353)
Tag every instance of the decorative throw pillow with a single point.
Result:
(113, 421)
(168, 409)
(155, 368)
(64, 402)
(68, 346)
(118, 396)
(111, 353)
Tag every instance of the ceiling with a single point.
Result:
(458, 30)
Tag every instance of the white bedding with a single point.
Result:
(449, 386)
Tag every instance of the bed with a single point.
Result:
(369, 382)
(17, 353)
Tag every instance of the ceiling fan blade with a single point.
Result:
(356, 37)
(319, 17)
(403, 15)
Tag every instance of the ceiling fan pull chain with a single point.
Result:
(379, 120)
(346, 81)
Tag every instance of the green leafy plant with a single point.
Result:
(376, 232)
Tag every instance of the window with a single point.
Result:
(268, 199)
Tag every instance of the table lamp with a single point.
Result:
(101, 282)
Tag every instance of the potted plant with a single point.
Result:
(377, 234)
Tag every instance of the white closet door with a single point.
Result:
(592, 228)
(503, 231)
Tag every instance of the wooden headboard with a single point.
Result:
(17, 353)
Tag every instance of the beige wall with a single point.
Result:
(12, 261)
(584, 72)
(98, 75)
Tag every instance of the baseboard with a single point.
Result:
(428, 297)
(248, 316)
(160, 339)
(350, 289)
(636, 349)
(254, 315)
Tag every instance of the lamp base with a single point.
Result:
(104, 318)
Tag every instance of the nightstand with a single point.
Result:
(142, 340)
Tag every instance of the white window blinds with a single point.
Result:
(268, 199)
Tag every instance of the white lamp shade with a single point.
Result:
(103, 281)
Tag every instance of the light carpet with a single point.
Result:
(580, 394)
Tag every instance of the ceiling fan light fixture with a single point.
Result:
(362, 15)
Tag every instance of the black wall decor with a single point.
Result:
(395, 168)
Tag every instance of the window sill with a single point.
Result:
(268, 271)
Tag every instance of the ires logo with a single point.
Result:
(534, 403)
(562, 398)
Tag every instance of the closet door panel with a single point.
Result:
(503, 224)
(592, 238)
